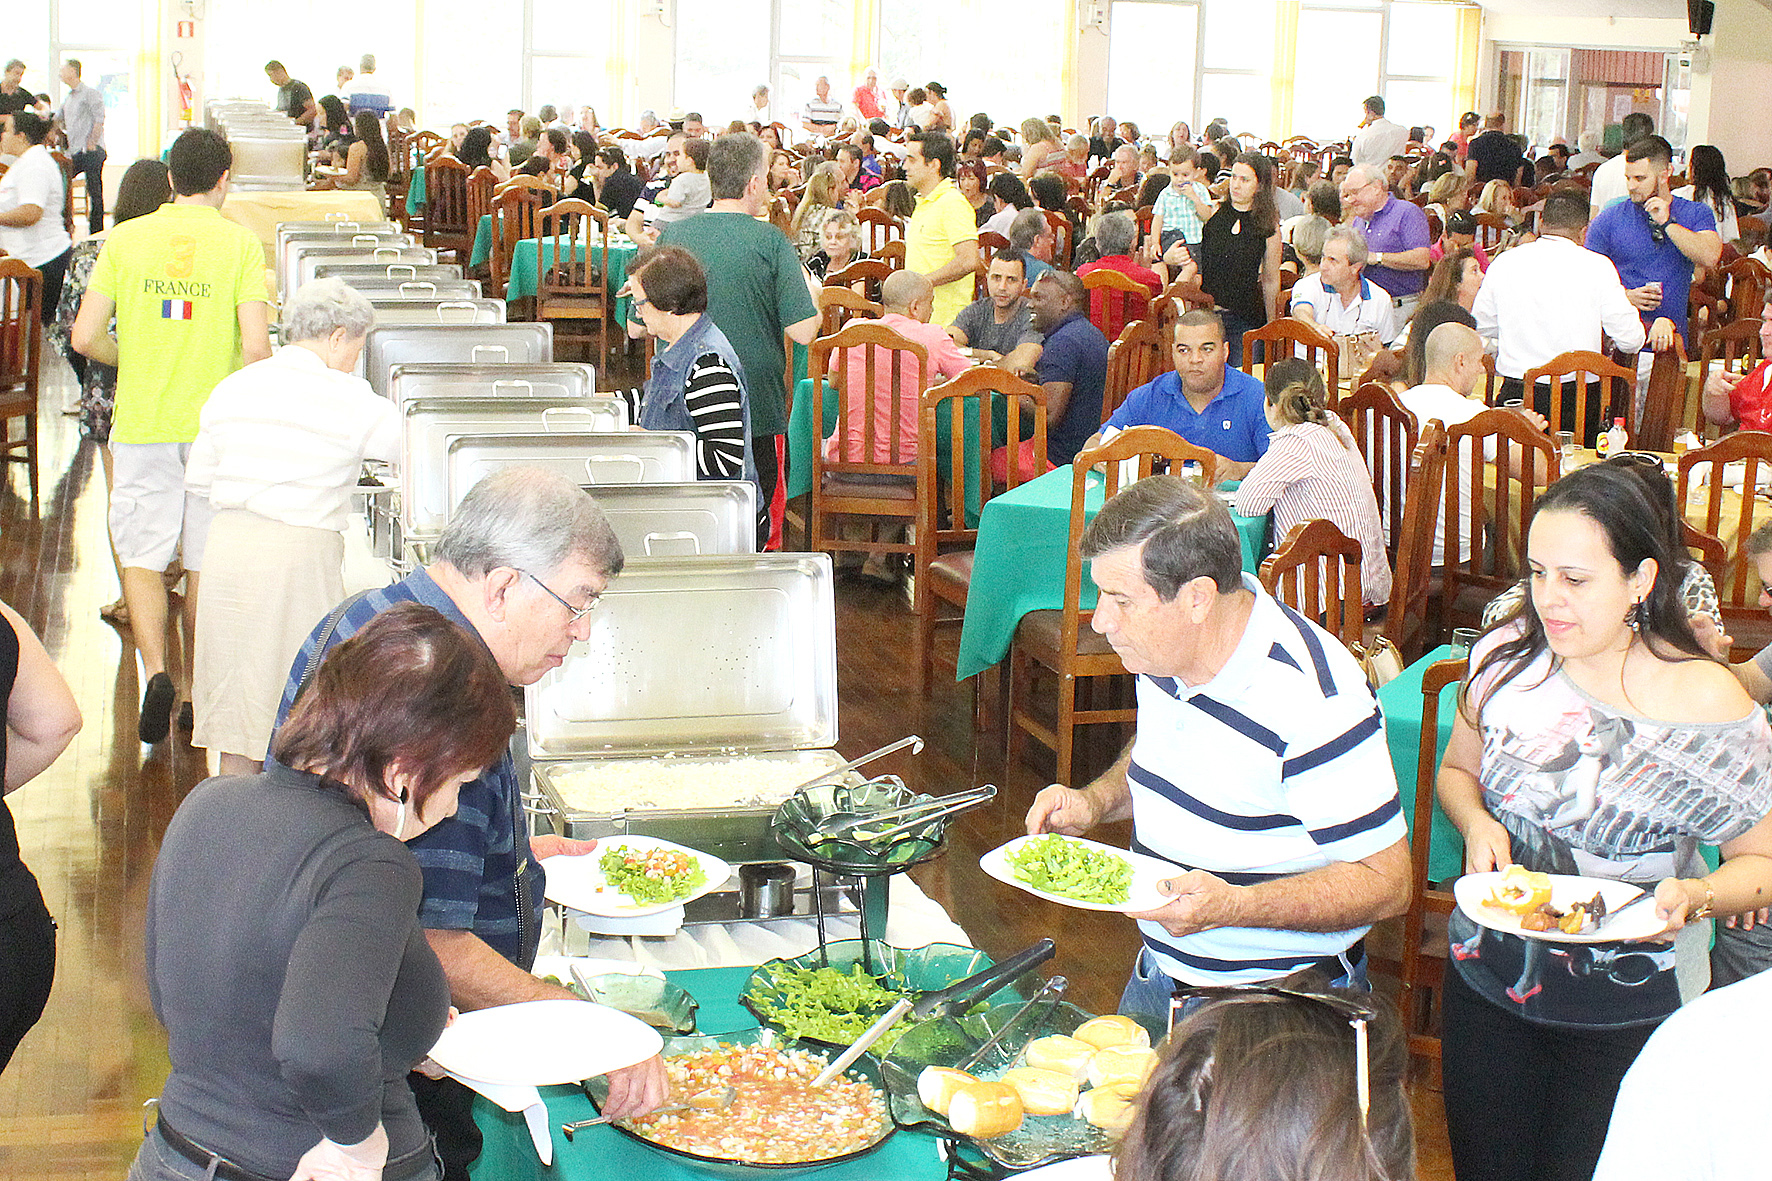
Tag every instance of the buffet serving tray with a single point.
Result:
(485, 344)
(337, 241)
(668, 520)
(551, 379)
(593, 457)
(398, 310)
(305, 256)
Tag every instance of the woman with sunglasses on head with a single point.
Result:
(1264, 1084)
(1596, 737)
(284, 951)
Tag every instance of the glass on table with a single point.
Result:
(1462, 640)
(1566, 448)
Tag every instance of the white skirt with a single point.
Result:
(265, 586)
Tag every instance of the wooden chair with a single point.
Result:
(1289, 337)
(1617, 392)
(21, 361)
(1387, 434)
(67, 166)
(515, 214)
(1139, 356)
(1115, 300)
(989, 242)
(1062, 640)
(1665, 402)
(449, 219)
(1719, 512)
(864, 275)
(1491, 228)
(839, 305)
(570, 289)
(878, 228)
(1408, 619)
(1316, 571)
(875, 477)
(1736, 345)
(522, 180)
(1063, 241)
(1747, 280)
(892, 254)
(1424, 951)
(945, 540)
(1485, 555)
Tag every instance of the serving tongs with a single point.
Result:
(912, 741)
(1034, 1011)
(708, 1100)
(858, 828)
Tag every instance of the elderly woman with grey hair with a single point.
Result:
(279, 447)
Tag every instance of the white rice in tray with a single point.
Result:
(621, 784)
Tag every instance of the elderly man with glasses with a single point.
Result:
(520, 565)
(1397, 237)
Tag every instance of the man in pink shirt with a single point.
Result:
(908, 299)
(869, 99)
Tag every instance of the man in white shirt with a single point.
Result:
(367, 91)
(1588, 142)
(1551, 297)
(1730, 1142)
(1378, 138)
(1608, 185)
(819, 118)
(1338, 298)
(760, 106)
(901, 111)
(1451, 371)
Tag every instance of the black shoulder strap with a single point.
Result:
(324, 641)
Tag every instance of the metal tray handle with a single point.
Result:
(676, 535)
(457, 306)
(411, 288)
(345, 227)
(364, 240)
(474, 353)
(411, 271)
(382, 252)
(581, 418)
(527, 386)
(639, 468)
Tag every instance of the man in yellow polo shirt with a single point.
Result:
(941, 243)
(188, 290)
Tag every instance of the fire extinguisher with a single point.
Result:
(186, 98)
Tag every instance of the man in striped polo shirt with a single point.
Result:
(1259, 768)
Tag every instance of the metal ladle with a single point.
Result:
(698, 1102)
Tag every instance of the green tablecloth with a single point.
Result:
(597, 1154)
(522, 280)
(415, 190)
(800, 440)
(1400, 702)
(1018, 565)
(482, 242)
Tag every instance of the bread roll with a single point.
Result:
(1113, 1030)
(1110, 1107)
(984, 1110)
(1043, 1092)
(1122, 1064)
(937, 1084)
(1057, 1052)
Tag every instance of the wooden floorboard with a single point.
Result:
(70, 1102)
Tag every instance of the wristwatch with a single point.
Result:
(1376, 259)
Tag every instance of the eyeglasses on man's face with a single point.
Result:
(577, 613)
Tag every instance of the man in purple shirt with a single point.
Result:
(1397, 237)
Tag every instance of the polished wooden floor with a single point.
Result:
(70, 1103)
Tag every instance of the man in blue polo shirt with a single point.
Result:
(520, 564)
(1203, 400)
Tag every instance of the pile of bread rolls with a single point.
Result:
(1111, 1054)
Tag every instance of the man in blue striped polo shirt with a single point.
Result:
(1259, 768)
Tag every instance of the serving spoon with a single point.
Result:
(708, 1100)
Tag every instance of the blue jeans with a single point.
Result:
(1148, 991)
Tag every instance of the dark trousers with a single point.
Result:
(1526, 1102)
(54, 271)
(1512, 388)
(769, 508)
(447, 1108)
(1234, 328)
(27, 969)
(91, 165)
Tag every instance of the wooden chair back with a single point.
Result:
(515, 213)
(1747, 280)
(1485, 555)
(1424, 955)
(989, 242)
(1736, 345)
(1585, 370)
(1316, 571)
(1407, 618)
(1115, 300)
(1491, 228)
(1138, 357)
(1665, 401)
(1063, 241)
(571, 286)
(522, 180)
(1718, 510)
(1290, 337)
(892, 254)
(883, 359)
(878, 228)
(449, 220)
(838, 305)
(864, 275)
(21, 362)
(1387, 434)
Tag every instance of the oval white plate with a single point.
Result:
(1471, 889)
(542, 1043)
(1142, 894)
(578, 882)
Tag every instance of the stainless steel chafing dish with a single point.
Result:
(305, 256)
(488, 344)
(548, 379)
(332, 224)
(691, 662)
(291, 246)
(385, 272)
(665, 520)
(383, 290)
(595, 457)
(437, 311)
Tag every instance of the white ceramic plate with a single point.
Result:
(1142, 895)
(1471, 889)
(542, 1043)
(578, 883)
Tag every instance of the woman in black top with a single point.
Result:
(41, 719)
(285, 955)
(1240, 252)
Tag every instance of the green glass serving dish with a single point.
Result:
(770, 994)
(795, 818)
(666, 1007)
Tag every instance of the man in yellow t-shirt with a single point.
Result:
(941, 243)
(188, 290)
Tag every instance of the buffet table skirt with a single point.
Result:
(262, 211)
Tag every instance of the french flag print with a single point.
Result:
(175, 309)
